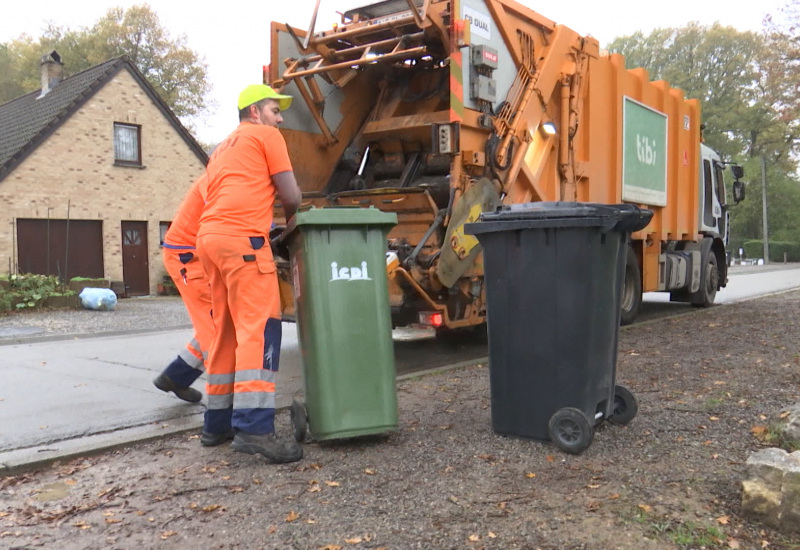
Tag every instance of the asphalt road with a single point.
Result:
(745, 283)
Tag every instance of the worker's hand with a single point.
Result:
(276, 231)
(278, 242)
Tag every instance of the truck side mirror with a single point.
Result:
(738, 191)
(738, 171)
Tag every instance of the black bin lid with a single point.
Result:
(533, 215)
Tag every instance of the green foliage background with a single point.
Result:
(749, 88)
(179, 74)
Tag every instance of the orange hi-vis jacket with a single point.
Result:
(233, 241)
(239, 193)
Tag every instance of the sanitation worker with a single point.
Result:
(247, 171)
(184, 268)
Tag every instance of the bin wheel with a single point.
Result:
(625, 406)
(571, 430)
(299, 417)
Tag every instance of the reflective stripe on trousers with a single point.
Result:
(188, 366)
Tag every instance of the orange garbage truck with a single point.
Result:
(439, 110)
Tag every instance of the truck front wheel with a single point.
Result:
(631, 297)
(708, 286)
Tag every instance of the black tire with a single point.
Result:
(631, 297)
(708, 286)
(299, 418)
(571, 430)
(625, 406)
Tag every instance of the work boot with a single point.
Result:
(278, 452)
(165, 383)
(208, 439)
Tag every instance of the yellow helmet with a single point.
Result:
(256, 92)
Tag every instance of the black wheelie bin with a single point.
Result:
(554, 273)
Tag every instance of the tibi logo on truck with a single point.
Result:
(356, 273)
(646, 150)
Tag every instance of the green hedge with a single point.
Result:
(755, 249)
(29, 291)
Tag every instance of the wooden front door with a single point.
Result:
(135, 267)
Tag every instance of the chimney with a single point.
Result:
(51, 71)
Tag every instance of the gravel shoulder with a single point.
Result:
(148, 313)
(670, 479)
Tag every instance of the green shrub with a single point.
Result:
(28, 291)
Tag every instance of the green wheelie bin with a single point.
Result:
(344, 326)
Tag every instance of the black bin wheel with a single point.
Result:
(625, 406)
(299, 418)
(571, 430)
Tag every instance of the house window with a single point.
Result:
(162, 229)
(127, 144)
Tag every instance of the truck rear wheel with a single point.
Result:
(631, 297)
(708, 286)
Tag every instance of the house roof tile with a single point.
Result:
(27, 121)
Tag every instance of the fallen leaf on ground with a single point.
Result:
(354, 540)
(645, 508)
(167, 534)
(332, 483)
(723, 520)
(82, 525)
(369, 471)
(211, 507)
(530, 475)
(474, 538)
(293, 516)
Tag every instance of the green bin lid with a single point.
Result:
(342, 215)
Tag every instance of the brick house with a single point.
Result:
(92, 169)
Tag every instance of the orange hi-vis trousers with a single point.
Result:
(184, 268)
(243, 359)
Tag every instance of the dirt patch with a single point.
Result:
(707, 383)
